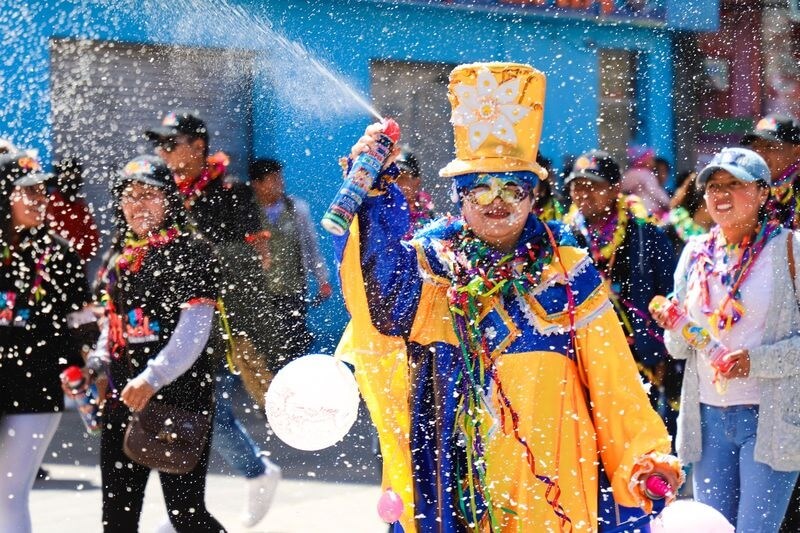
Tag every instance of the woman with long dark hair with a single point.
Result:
(43, 298)
(161, 291)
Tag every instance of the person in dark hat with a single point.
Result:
(226, 213)
(161, 292)
(634, 257)
(44, 324)
(776, 138)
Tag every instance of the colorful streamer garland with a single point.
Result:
(37, 292)
(783, 201)
(605, 240)
(730, 310)
(684, 224)
(480, 272)
(135, 250)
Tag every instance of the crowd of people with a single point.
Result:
(202, 276)
(526, 292)
(470, 300)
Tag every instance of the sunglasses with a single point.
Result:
(510, 193)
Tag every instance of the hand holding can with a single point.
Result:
(359, 180)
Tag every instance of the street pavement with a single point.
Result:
(333, 490)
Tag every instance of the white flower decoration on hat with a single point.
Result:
(489, 108)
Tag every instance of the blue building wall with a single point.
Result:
(346, 35)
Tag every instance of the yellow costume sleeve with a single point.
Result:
(381, 370)
(627, 427)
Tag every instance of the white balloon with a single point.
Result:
(688, 515)
(312, 402)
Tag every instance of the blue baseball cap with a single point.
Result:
(743, 164)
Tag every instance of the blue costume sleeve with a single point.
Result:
(391, 277)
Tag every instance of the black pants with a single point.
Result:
(124, 482)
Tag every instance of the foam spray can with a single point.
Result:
(696, 336)
(359, 180)
(656, 487)
(86, 398)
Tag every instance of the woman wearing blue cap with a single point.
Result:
(740, 427)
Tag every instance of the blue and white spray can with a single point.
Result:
(359, 180)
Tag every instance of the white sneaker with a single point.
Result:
(260, 493)
(165, 527)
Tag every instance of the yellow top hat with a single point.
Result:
(497, 116)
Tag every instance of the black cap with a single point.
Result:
(180, 122)
(775, 128)
(406, 162)
(147, 169)
(596, 165)
(21, 170)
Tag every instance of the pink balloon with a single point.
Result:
(390, 506)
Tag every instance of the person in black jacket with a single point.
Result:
(226, 213)
(635, 258)
(43, 310)
(161, 293)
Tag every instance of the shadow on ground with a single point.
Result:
(351, 461)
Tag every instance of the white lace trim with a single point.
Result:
(578, 269)
(550, 328)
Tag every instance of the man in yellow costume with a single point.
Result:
(493, 364)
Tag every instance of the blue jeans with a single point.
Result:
(230, 439)
(751, 495)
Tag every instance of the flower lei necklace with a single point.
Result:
(478, 272)
(730, 310)
(216, 165)
(135, 250)
(604, 241)
(684, 224)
